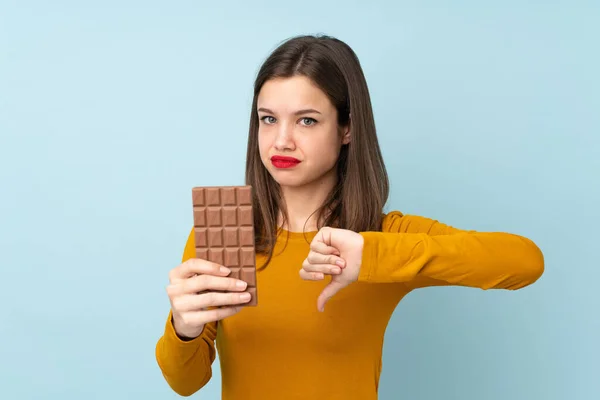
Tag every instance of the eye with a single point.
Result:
(308, 121)
(268, 120)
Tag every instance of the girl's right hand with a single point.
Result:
(200, 292)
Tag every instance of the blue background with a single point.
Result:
(111, 111)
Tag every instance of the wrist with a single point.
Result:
(186, 334)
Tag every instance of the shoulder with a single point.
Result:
(398, 222)
(391, 220)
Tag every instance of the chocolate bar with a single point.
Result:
(224, 231)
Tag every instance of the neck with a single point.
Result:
(302, 202)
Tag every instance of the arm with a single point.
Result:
(422, 252)
(186, 364)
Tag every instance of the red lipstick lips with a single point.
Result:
(284, 162)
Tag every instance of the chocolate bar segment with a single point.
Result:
(224, 231)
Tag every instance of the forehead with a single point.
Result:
(291, 94)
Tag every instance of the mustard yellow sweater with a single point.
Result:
(285, 349)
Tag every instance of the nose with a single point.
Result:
(284, 139)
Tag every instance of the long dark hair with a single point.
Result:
(356, 202)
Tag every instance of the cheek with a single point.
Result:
(263, 145)
(328, 144)
(323, 151)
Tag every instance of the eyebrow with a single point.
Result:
(304, 111)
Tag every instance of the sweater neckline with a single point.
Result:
(284, 234)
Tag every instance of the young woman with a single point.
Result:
(332, 265)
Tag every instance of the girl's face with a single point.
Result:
(298, 136)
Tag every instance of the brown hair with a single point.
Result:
(356, 202)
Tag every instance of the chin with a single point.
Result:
(284, 178)
(296, 179)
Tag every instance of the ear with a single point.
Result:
(346, 131)
(346, 135)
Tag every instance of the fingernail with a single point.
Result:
(241, 285)
(225, 270)
(245, 296)
(335, 270)
(340, 263)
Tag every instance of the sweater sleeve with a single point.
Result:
(422, 252)
(186, 364)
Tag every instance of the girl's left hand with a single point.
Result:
(335, 252)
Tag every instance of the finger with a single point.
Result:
(209, 299)
(321, 247)
(218, 314)
(197, 266)
(323, 268)
(318, 258)
(328, 292)
(311, 276)
(196, 318)
(216, 299)
(203, 283)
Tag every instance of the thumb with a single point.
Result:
(328, 292)
(324, 235)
